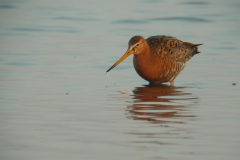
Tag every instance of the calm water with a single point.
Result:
(56, 103)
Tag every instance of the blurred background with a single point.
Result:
(56, 103)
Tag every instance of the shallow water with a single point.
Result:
(57, 103)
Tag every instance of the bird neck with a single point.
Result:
(144, 56)
(143, 63)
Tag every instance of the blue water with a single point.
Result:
(57, 103)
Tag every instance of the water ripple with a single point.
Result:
(129, 21)
(35, 29)
(195, 3)
(6, 6)
(20, 64)
(144, 21)
(75, 19)
(185, 19)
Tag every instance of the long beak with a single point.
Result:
(128, 53)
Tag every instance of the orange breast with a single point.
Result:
(157, 69)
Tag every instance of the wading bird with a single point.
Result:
(159, 59)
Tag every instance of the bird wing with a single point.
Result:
(171, 48)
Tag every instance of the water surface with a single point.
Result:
(56, 103)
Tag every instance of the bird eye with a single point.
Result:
(137, 44)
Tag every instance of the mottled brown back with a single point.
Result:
(171, 48)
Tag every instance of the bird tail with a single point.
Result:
(195, 51)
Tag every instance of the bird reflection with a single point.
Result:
(160, 104)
